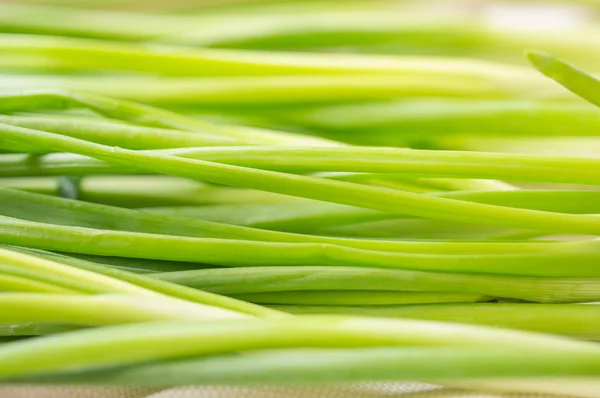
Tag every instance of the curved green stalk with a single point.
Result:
(145, 342)
(398, 160)
(49, 271)
(158, 286)
(235, 281)
(454, 164)
(45, 278)
(313, 188)
(361, 298)
(57, 273)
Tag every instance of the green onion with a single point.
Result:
(427, 211)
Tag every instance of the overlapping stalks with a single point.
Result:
(146, 245)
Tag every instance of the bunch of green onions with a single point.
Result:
(172, 214)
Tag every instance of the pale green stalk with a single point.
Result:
(101, 309)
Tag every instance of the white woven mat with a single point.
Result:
(374, 390)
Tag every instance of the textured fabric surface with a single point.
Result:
(373, 390)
